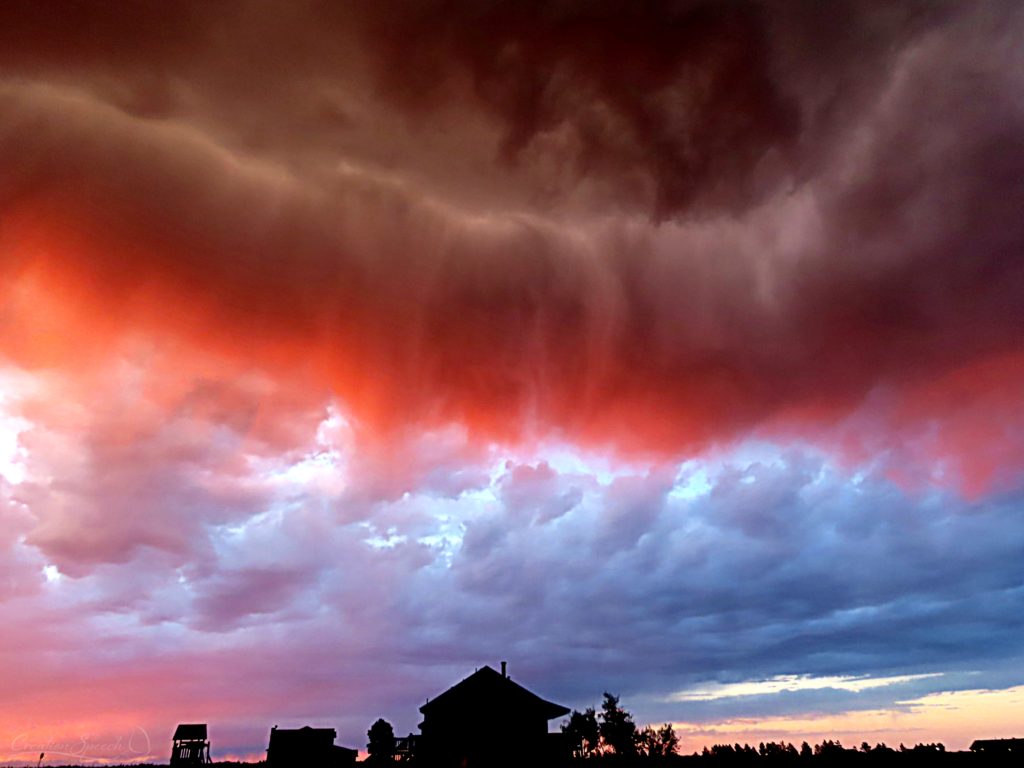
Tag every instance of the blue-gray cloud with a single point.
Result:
(344, 587)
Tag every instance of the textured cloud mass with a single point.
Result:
(578, 218)
(683, 342)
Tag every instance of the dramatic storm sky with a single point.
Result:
(674, 349)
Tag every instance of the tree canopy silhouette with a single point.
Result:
(381, 745)
(660, 742)
(618, 731)
(582, 732)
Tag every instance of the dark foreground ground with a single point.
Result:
(851, 758)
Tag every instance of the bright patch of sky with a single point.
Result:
(691, 482)
(388, 539)
(325, 465)
(13, 385)
(790, 683)
(567, 459)
(447, 540)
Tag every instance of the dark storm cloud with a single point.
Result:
(467, 197)
(679, 96)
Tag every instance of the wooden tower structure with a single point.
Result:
(191, 746)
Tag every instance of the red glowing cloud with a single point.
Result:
(876, 261)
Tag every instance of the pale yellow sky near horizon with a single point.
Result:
(954, 718)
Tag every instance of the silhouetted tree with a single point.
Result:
(645, 742)
(660, 742)
(668, 742)
(382, 742)
(778, 751)
(582, 732)
(829, 749)
(618, 731)
(805, 750)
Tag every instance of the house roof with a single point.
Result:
(488, 688)
(190, 732)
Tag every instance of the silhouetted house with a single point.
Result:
(190, 745)
(999, 746)
(307, 748)
(486, 720)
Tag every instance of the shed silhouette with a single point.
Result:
(998, 746)
(307, 747)
(486, 720)
(190, 745)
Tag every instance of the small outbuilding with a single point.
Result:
(307, 747)
(190, 745)
(999, 746)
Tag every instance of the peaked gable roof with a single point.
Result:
(485, 688)
(190, 732)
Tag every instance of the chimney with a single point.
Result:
(504, 669)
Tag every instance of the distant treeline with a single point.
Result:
(748, 755)
(831, 752)
(824, 755)
(609, 736)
